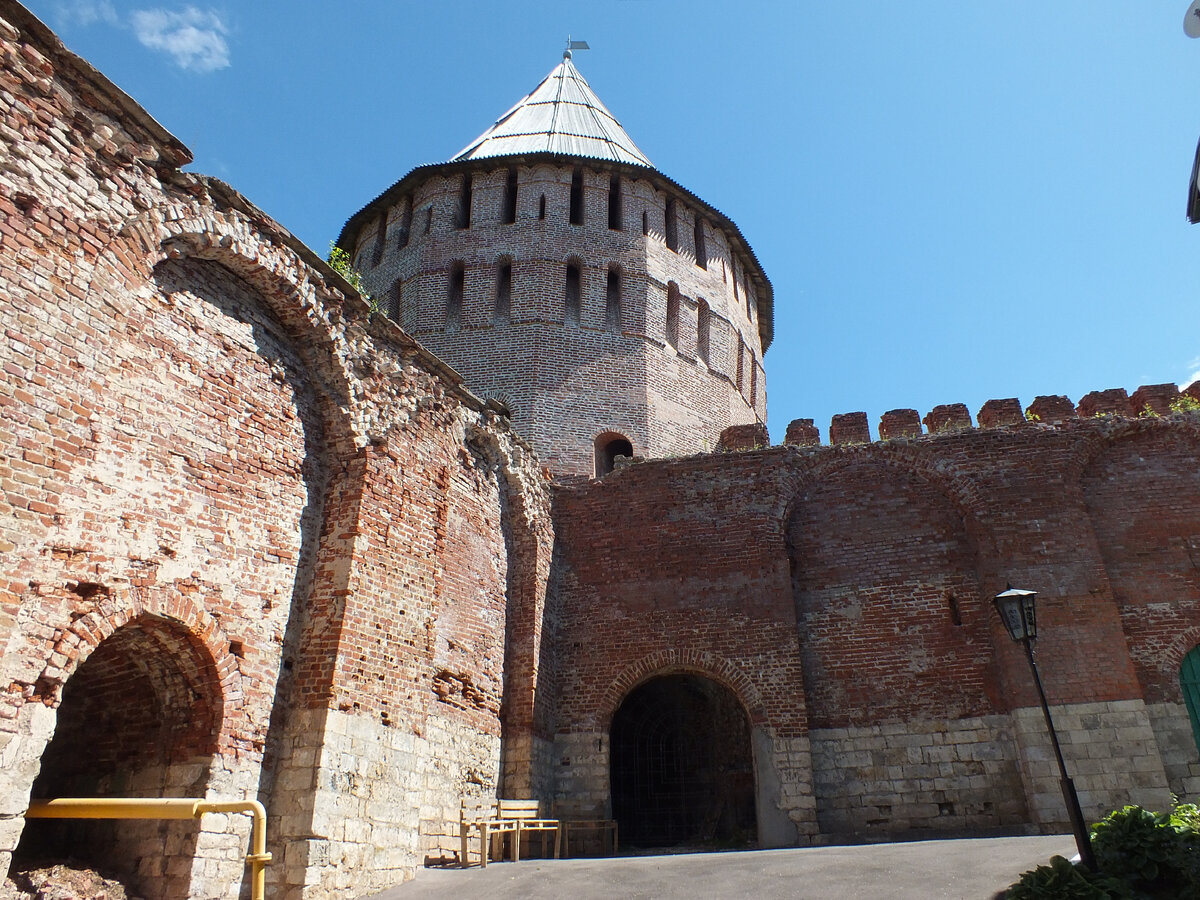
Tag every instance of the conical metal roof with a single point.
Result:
(562, 115)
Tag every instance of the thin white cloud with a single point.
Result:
(1194, 367)
(84, 13)
(193, 38)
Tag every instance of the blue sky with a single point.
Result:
(954, 202)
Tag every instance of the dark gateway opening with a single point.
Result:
(682, 772)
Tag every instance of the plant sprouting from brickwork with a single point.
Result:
(1031, 416)
(1147, 412)
(1185, 403)
(339, 260)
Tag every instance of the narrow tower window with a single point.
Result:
(454, 295)
(701, 251)
(503, 292)
(428, 219)
(703, 329)
(405, 224)
(380, 237)
(671, 226)
(573, 293)
(673, 314)
(645, 222)
(733, 278)
(741, 355)
(612, 301)
(577, 197)
(542, 207)
(753, 383)
(463, 219)
(510, 198)
(614, 203)
(393, 309)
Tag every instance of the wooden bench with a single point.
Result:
(493, 821)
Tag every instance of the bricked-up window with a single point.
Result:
(733, 278)
(573, 294)
(749, 302)
(380, 237)
(753, 383)
(503, 306)
(614, 203)
(673, 314)
(741, 356)
(671, 226)
(510, 198)
(428, 219)
(406, 213)
(612, 300)
(462, 218)
(609, 446)
(454, 295)
(542, 207)
(703, 329)
(701, 250)
(1189, 681)
(577, 197)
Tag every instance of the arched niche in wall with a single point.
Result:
(139, 718)
(610, 445)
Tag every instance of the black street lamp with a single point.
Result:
(1018, 611)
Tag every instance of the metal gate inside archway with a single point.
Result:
(682, 772)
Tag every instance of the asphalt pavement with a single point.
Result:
(975, 869)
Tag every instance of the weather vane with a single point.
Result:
(583, 45)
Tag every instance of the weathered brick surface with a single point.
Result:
(318, 545)
(276, 545)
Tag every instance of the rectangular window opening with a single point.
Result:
(577, 197)
(573, 293)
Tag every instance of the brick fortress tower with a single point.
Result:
(555, 268)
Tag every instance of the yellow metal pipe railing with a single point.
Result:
(167, 808)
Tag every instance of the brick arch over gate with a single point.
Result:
(682, 662)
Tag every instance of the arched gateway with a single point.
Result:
(682, 769)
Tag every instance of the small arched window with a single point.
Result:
(645, 222)
(454, 295)
(503, 305)
(701, 250)
(673, 314)
(573, 293)
(542, 207)
(609, 446)
(510, 198)
(612, 300)
(463, 217)
(1189, 681)
(577, 196)
(671, 225)
(703, 329)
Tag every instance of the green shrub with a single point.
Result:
(1186, 814)
(1149, 852)
(1060, 880)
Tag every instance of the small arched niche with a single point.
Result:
(681, 765)
(609, 446)
(139, 718)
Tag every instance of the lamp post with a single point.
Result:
(1018, 611)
